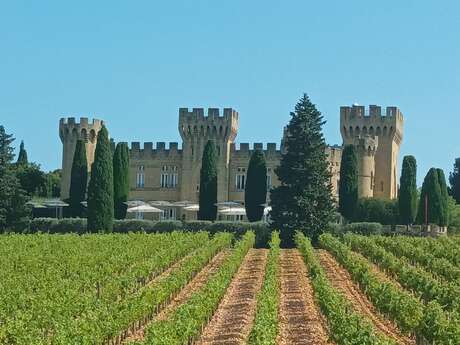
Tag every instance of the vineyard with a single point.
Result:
(194, 288)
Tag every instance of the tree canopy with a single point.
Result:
(208, 183)
(255, 194)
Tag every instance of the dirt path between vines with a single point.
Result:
(342, 281)
(300, 320)
(192, 286)
(233, 319)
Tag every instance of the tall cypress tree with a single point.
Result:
(100, 189)
(208, 183)
(120, 179)
(407, 199)
(303, 201)
(78, 180)
(454, 179)
(431, 192)
(348, 184)
(444, 215)
(255, 193)
(22, 157)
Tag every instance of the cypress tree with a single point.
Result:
(208, 183)
(454, 179)
(22, 157)
(100, 189)
(255, 193)
(120, 179)
(303, 201)
(407, 199)
(348, 184)
(444, 215)
(78, 180)
(431, 191)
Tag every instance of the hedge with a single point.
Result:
(78, 225)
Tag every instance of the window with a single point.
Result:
(169, 177)
(240, 179)
(140, 177)
(168, 214)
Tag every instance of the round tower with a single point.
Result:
(366, 147)
(196, 129)
(70, 131)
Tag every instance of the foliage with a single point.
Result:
(208, 183)
(407, 198)
(31, 178)
(431, 192)
(78, 180)
(348, 185)
(52, 188)
(303, 201)
(14, 212)
(444, 215)
(100, 189)
(454, 179)
(364, 228)
(377, 211)
(255, 194)
(265, 328)
(454, 215)
(22, 157)
(120, 179)
(346, 327)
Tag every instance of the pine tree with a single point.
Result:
(22, 157)
(120, 179)
(14, 212)
(431, 192)
(444, 215)
(208, 184)
(78, 180)
(348, 184)
(407, 199)
(303, 201)
(454, 179)
(255, 194)
(100, 189)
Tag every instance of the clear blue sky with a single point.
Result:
(134, 63)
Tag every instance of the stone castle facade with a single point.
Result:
(172, 173)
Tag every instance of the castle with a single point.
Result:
(173, 173)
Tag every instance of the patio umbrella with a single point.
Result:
(192, 208)
(267, 210)
(236, 211)
(56, 204)
(160, 203)
(184, 203)
(144, 209)
(134, 203)
(229, 204)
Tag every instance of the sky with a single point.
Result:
(135, 63)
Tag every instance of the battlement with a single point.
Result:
(374, 113)
(195, 123)
(245, 149)
(160, 150)
(70, 129)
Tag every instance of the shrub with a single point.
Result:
(364, 228)
(167, 226)
(42, 224)
(66, 225)
(133, 225)
(334, 228)
(377, 211)
(196, 225)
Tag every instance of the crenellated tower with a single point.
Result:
(387, 129)
(69, 132)
(196, 129)
(366, 147)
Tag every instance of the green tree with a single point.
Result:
(52, 185)
(78, 180)
(303, 201)
(22, 157)
(407, 199)
(31, 178)
(100, 189)
(255, 193)
(348, 184)
(444, 215)
(377, 210)
(454, 179)
(121, 179)
(431, 192)
(208, 183)
(14, 212)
